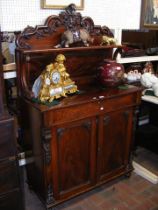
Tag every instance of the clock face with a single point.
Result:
(55, 77)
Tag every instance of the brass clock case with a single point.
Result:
(55, 81)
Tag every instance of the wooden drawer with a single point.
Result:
(9, 178)
(82, 111)
(114, 104)
(12, 200)
(72, 113)
(7, 138)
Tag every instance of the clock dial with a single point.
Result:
(56, 77)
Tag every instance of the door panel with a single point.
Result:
(115, 132)
(74, 156)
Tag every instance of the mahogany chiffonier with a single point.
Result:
(85, 139)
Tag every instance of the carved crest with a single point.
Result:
(81, 28)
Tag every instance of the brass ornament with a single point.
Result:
(55, 81)
(106, 40)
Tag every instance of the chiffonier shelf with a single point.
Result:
(138, 59)
(84, 140)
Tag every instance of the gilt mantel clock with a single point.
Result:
(54, 82)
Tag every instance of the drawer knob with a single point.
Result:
(102, 108)
(100, 97)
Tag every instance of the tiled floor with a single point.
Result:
(134, 193)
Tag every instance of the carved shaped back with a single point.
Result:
(48, 35)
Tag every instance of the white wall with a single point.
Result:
(17, 14)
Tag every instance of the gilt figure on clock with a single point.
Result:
(54, 82)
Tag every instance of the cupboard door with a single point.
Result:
(73, 157)
(9, 180)
(115, 134)
(7, 139)
(11, 200)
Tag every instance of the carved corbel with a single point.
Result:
(50, 198)
(46, 145)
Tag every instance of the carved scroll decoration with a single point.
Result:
(87, 125)
(39, 32)
(107, 120)
(50, 198)
(46, 145)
